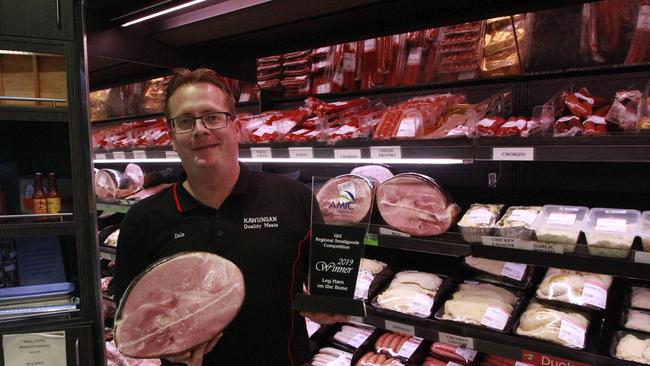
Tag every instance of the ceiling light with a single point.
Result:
(162, 12)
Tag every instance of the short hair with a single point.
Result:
(201, 75)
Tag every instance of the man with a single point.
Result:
(258, 221)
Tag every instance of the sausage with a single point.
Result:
(363, 360)
(447, 351)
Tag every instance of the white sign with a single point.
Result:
(610, 224)
(100, 156)
(519, 363)
(358, 339)
(455, 340)
(45, 349)
(572, 333)
(515, 271)
(523, 216)
(119, 155)
(495, 317)
(400, 328)
(386, 152)
(385, 231)
(171, 155)
(513, 153)
(468, 354)
(261, 152)
(594, 294)
(139, 154)
(409, 347)
(535, 246)
(301, 153)
(421, 305)
(561, 218)
(642, 257)
(347, 153)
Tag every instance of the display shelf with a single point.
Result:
(448, 244)
(609, 148)
(118, 207)
(33, 114)
(482, 340)
(127, 118)
(636, 265)
(34, 229)
(106, 252)
(43, 324)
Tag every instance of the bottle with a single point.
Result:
(53, 197)
(39, 199)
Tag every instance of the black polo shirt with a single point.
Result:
(260, 227)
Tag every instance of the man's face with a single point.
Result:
(203, 148)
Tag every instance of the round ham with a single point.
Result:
(111, 184)
(177, 304)
(378, 172)
(346, 199)
(416, 204)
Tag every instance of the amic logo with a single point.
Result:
(344, 201)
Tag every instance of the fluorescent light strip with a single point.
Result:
(13, 52)
(430, 161)
(162, 12)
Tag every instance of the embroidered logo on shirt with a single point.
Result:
(179, 235)
(256, 223)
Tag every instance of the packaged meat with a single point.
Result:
(478, 221)
(644, 232)
(147, 192)
(377, 359)
(352, 337)
(115, 358)
(517, 222)
(368, 269)
(433, 361)
(453, 353)
(578, 288)
(514, 126)
(178, 303)
(410, 292)
(567, 126)
(398, 345)
(624, 109)
(111, 184)
(639, 51)
(330, 356)
(631, 347)
(555, 325)
(636, 320)
(506, 271)
(416, 204)
(111, 240)
(480, 304)
(611, 232)
(560, 224)
(594, 126)
(489, 126)
(640, 297)
(347, 198)
(379, 173)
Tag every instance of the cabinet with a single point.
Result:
(45, 129)
(607, 171)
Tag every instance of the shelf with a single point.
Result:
(636, 265)
(32, 229)
(33, 114)
(127, 118)
(610, 148)
(107, 252)
(482, 340)
(448, 244)
(42, 324)
(113, 207)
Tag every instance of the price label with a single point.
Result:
(171, 155)
(386, 152)
(611, 224)
(407, 127)
(349, 62)
(561, 218)
(324, 88)
(301, 153)
(415, 56)
(386, 231)
(409, 347)
(594, 294)
(139, 154)
(358, 339)
(100, 156)
(642, 257)
(119, 155)
(572, 333)
(369, 45)
(523, 216)
(244, 97)
(479, 216)
(515, 271)
(643, 20)
(513, 153)
(455, 340)
(261, 153)
(495, 317)
(400, 328)
(466, 353)
(347, 153)
(421, 305)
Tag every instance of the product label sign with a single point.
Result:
(334, 259)
(301, 153)
(171, 155)
(594, 294)
(47, 349)
(100, 156)
(572, 333)
(538, 359)
(611, 224)
(357, 340)
(515, 271)
(386, 152)
(513, 243)
(456, 340)
(466, 353)
(409, 347)
(642, 257)
(495, 317)
(261, 153)
(119, 155)
(400, 328)
(347, 153)
(513, 153)
(139, 154)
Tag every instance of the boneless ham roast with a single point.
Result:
(346, 199)
(416, 204)
(178, 303)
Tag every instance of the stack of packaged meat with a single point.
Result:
(583, 114)
(321, 70)
(296, 73)
(500, 55)
(276, 125)
(334, 68)
(269, 72)
(459, 51)
(443, 354)
(410, 292)
(139, 133)
(632, 342)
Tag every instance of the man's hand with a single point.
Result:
(194, 357)
(325, 318)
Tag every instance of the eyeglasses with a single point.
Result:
(211, 121)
